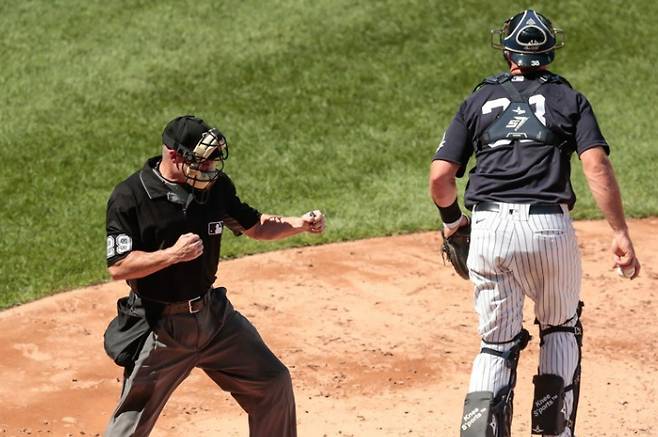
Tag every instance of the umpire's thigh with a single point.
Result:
(240, 362)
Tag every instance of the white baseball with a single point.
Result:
(626, 271)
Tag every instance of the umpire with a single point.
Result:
(164, 230)
(523, 127)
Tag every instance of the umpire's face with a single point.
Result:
(199, 174)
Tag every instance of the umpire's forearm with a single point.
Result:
(603, 185)
(273, 227)
(139, 264)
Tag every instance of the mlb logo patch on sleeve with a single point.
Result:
(215, 228)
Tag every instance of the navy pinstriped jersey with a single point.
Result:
(522, 171)
(147, 213)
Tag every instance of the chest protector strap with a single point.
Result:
(518, 121)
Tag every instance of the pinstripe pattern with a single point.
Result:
(515, 254)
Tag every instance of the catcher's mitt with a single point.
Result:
(455, 248)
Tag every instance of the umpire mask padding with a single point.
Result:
(204, 163)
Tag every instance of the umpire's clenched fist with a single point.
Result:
(188, 247)
(313, 221)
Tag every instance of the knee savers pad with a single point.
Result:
(478, 419)
(548, 411)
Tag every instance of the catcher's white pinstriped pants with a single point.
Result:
(514, 254)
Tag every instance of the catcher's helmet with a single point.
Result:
(528, 39)
(201, 147)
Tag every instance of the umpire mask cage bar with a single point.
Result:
(203, 163)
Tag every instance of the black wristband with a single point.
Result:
(450, 214)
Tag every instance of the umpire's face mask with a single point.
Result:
(203, 164)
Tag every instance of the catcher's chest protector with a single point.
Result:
(518, 121)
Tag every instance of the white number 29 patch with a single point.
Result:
(118, 245)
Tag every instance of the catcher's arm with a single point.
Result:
(456, 226)
(443, 189)
(605, 190)
(443, 185)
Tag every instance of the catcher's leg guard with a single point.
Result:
(478, 420)
(486, 415)
(548, 416)
(548, 413)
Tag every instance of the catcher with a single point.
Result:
(523, 126)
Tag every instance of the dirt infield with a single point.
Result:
(378, 334)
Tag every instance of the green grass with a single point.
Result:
(330, 104)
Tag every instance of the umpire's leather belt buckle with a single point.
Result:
(195, 305)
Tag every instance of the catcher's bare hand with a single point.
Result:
(188, 247)
(313, 221)
(623, 255)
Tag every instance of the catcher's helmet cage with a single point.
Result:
(203, 149)
(528, 39)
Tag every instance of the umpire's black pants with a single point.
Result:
(228, 348)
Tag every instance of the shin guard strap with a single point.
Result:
(511, 356)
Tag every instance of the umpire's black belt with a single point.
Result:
(187, 306)
(535, 208)
(191, 306)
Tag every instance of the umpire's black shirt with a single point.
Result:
(147, 213)
(525, 171)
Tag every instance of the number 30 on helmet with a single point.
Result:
(528, 39)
